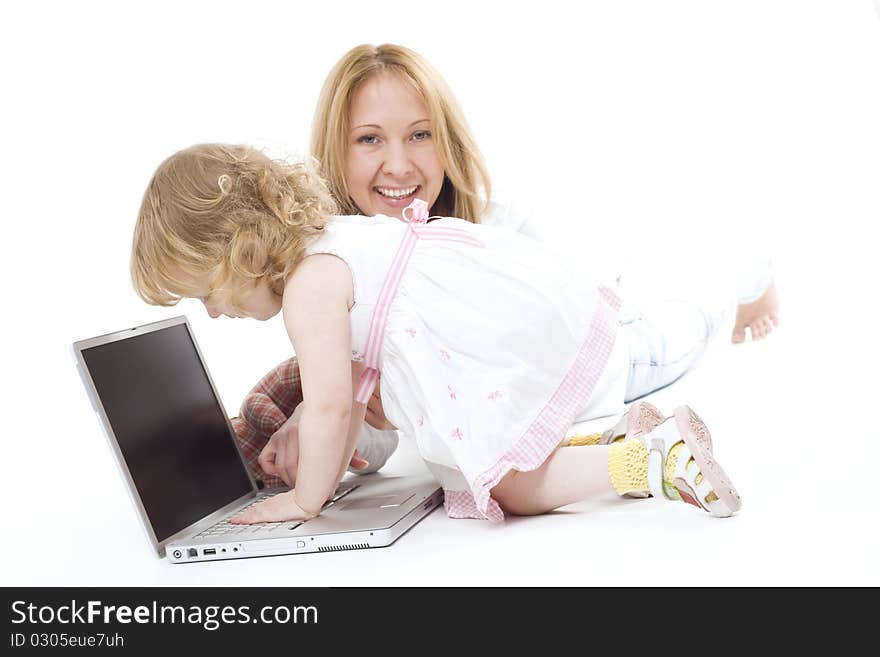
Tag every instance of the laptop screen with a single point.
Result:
(169, 426)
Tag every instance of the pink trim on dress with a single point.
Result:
(433, 232)
(416, 230)
(542, 437)
(460, 504)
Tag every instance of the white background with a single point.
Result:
(655, 132)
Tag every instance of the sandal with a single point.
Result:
(698, 479)
(641, 418)
(638, 420)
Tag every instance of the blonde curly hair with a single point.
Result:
(227, 212)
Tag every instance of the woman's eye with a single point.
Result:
(422, 135)
(368, 139)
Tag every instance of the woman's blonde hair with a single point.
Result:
(466, 175)
(226, 212)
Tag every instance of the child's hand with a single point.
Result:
(278, 508)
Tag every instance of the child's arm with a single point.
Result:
(358, 413)
(317, 299)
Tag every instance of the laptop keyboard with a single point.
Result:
(226, 528)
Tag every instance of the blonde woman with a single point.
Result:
(387, 130)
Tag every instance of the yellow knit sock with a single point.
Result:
(588, 439)
(628, 467)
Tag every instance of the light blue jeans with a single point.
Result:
(667, 338)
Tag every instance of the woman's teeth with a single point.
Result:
(396, 193)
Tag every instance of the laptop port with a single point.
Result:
(192, 552)
(208, 551)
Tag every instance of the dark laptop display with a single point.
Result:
(177, 453)
(169, 425)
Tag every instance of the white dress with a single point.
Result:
(377, 445)
(489, 352)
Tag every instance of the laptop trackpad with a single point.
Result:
(379, 501)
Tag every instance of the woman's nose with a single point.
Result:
(397, 162)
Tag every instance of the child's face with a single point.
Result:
(256, 301)
(391, 157)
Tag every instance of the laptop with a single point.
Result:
(178, 455)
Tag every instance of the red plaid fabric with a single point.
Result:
(265, 408)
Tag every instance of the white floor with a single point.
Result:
(788, 424)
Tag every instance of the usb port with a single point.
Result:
(208, 551)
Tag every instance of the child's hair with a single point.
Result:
(228, 212)
(466, 173)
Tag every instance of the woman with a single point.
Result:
(387, 130)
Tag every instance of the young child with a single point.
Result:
(487, 371)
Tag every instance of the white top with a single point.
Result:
(508, 215)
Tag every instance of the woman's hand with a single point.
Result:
(375, 413)
(280, 456)
(278, 508)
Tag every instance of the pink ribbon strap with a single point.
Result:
(417, 228)
(419, 210)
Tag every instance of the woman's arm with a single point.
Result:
(264, 411)
(518, 217)
(375, 447)
(377, 439)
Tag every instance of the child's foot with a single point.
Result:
(760, 316)
(639, 419)
(681, 465)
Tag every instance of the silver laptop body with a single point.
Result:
(177, 453)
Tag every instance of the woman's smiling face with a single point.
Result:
(391, 156)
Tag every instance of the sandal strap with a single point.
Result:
(658, 442)
(685, 479)
(656, 462)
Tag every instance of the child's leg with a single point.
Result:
(673, 461)
(570, 474)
